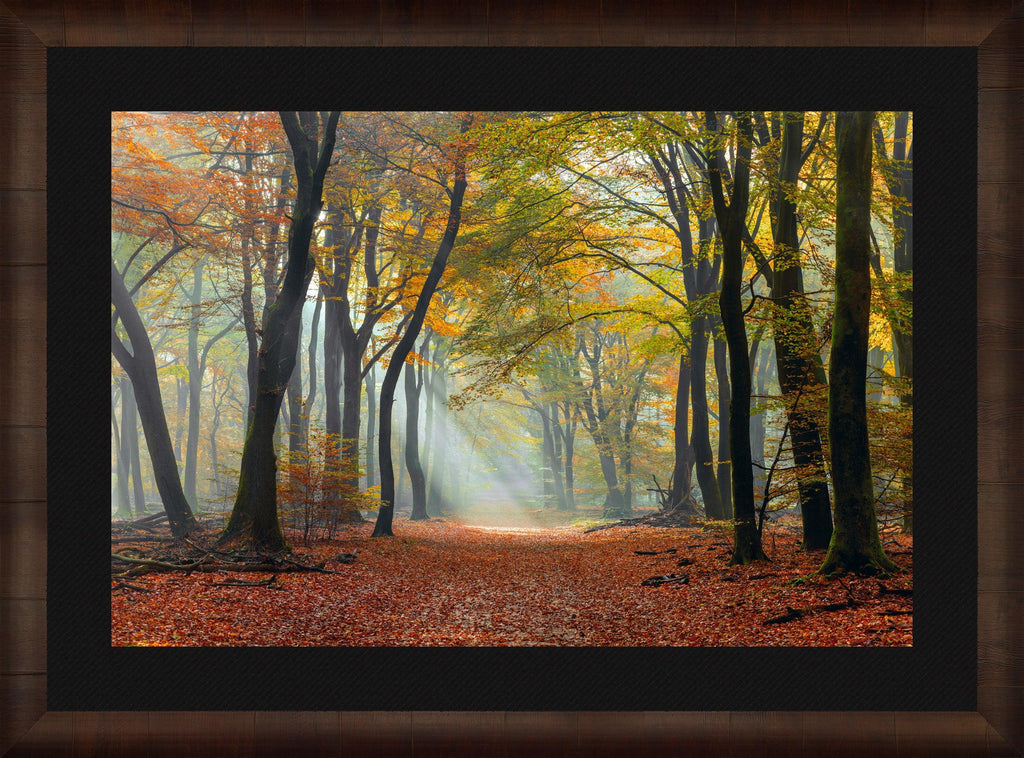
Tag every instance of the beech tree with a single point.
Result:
(140, 365)
(731, 217)
(801, 374)
(855, 545)
(385, 512)
(254, 516)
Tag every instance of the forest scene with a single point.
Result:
(512, 378)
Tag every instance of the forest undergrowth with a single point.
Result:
(445, 583)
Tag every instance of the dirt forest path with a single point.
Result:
(440, 583)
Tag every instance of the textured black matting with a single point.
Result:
(939, 673)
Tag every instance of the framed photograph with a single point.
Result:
(956, 685)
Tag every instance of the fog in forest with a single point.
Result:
(547, 366)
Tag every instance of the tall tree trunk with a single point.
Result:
(732, 221)
(557, 468)
(140, 365)
(547, 454)
(352, 387)
(724, 472)
(855, 545)
(195, 385)
(714, 507)
(757, 428)
(130, 429)
(254, 517)
(899, 178)
(695, 283)
(801, 375)
(124, 506)
(569, 439)
(307, 404)
(413, 375)
(332, 388)
(295, 401)
(371, 420)
(251, 338)
(682, 466)
(180, 415)
(385, 514)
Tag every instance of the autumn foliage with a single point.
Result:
(442, 583)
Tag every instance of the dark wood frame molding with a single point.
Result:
(27, 28)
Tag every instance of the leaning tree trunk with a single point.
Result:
(140, 365)
(386, 511)
(732, 221)
(855, 545)
(801, 375)
(254, 517)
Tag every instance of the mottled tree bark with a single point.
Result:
(855, 545)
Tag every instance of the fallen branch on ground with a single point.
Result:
(792, 614)
(127, 586)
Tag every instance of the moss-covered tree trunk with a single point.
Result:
(732, 221)
(254, 518)
(801, 374)
(855, 545)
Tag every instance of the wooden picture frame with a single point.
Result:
(996, 728)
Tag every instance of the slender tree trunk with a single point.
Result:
(757, 429)
(332, 390)
(855, 545)
(180, 415)
(557, 466)
(732, 221)
(140, 365)
(679, 494)
(371, 420)
(724, 400)
(696, 283)
(254, 516)
(352, 386)
(899, 177)
(385, 514)
(124, 506)
(131, 433)
(413, 376)
(801, 375)
(195, 385)
(701, 439)
(547, 454)
(295, 402)
(570, 469)
(307, 404)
